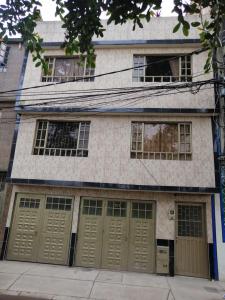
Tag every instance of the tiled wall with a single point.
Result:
(109, 159)
(114, 59)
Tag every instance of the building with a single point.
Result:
(11, 59)
(107, 172)
(220, 146)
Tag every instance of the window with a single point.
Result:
(170, 141)
(190, 221)
(92, 207)
(2, 180)
(141, 210)
(58, 203)
(162, 68)
(57, 138)
(29, 203)
(4, 53)
(116, 209)
(67, 69)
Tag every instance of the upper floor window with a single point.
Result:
(162, 68)
(58, 138)
(170, 141)
(4, 53)
(67, 69)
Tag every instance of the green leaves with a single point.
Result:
(82, 22)
(176, 28)
(186, 28)
(195, 24)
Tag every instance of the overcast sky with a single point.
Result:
(48, 9)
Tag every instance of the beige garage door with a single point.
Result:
(116, 234)
(41, 228)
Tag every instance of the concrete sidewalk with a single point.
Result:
(64, 283)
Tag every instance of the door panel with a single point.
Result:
(55, 232)
(142, 238)
(23, 242)
(89, 242)
(191, 249)
(115, 236)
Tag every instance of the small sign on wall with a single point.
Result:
(171, 214)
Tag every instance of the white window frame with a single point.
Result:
(52, 78)
(44, 151)
(179, 78)
(141, 154)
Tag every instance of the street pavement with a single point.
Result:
(29, 281)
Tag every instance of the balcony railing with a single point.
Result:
(66, 78)
(184, 78)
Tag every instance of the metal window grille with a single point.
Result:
(183, 69)
(58, 203)
(142, 210)
(2, 180)
(180, 148)
(190, 220)
(29, 203)
(71, 69)
(55, 138)
(4, 53)
(116, 208)
(92, 207)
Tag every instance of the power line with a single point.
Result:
(72, 91)
(95, 97)
(84, 109)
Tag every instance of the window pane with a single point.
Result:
(152, 137)
(162, 66)
(62, 135)
(64, 67)
(79, 68)
(169, 137)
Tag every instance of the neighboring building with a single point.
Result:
(220, 124)
(123, 181)
(11, 59)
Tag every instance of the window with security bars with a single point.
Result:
(29, 203)
(62, 69)
(92, 207)
(58, 203)
(190, 220)
(116, 209)
(141, 210)
(155, 68)
(56, 138)
(169, 141)
(4, 53)
(2, 180)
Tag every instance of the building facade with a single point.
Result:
(116, 171)
(220, 197)
(11, 59)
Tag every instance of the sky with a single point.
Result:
(48, 9)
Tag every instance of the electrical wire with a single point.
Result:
(103, 105)
(96, 97)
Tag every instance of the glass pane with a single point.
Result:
(152, 137)
(64, 67)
